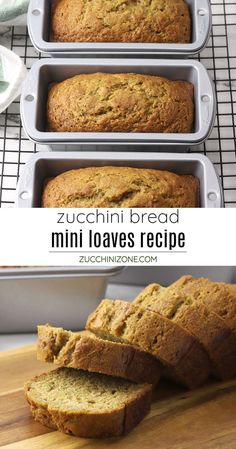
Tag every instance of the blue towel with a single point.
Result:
(12, 75)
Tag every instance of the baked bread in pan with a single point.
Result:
(120, 187)
(120, 102)
(156, 21)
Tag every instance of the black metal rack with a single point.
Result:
(219, 58)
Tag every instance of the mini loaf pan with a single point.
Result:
(47, 71)
(165, 276)
(61, 296)
(39, 16)
(45, 165)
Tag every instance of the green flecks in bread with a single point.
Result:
(121, 187)
(120, 102)
(86, 404)
(156, 21)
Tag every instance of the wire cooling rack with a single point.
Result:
(219, 58)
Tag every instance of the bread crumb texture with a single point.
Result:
(182, 356)
(185, 303)
(121, 187)
(122, 102)
(87, 404)
(153, 21)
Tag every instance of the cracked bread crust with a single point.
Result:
(121, 187)
(70, 401)
(182, 356)
(153, 21)
(203, 323)
(121, 102)
(83, 350)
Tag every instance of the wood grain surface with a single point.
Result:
(201, 419)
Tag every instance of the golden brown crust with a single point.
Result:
(83, 350)
(180, 353)
(219, 297)
(203, 323)
(121, 187)
(119, 421)
(121, 102)
(158, 21)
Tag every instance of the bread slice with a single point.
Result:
(218, 296)
(182, 356)
(87, 404)
(84, 350)
(188, 311)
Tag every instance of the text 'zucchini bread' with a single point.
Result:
(163, 21)
(121, 102)
(120, 187)
(87, 404)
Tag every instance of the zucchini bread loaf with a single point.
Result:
(121, 187)
(123, 102)
(163, 21)
(217, 296)
(185, 307)
(183, 358)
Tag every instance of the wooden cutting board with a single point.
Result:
(201, 419)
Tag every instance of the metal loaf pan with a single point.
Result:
(39, 29)
(167, 275)
(47, 71)
(60, 296)
(45, 165)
